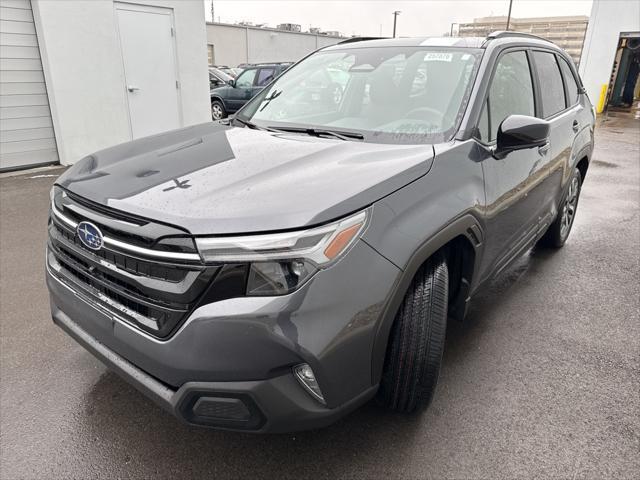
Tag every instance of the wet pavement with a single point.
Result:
(543, 380)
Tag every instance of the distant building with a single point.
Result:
(566, 32)
(230, 44)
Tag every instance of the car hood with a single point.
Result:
(218, 179)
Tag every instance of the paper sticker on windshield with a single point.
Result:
(438, 57)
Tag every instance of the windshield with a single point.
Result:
(386, 94)
(220, 74)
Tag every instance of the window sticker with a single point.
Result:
(438, 57)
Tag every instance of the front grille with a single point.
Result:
(169, 273)
(151, 294)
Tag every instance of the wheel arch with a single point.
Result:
(583, 166)
(219, 99)
(460, 241)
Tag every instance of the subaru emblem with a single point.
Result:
(90, 235)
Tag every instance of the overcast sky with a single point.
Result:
(418, 17)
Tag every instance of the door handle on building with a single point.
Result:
(132, 88)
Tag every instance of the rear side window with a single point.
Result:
(570, 80)
(265, 76)
(510, 93)
(551, 86)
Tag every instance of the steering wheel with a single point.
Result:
(426, 114)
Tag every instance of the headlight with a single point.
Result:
(282, 262)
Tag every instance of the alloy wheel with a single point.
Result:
(569, 207)
(216, 112)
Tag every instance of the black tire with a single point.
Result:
(416, 341)
(558, 232)
(217, 110)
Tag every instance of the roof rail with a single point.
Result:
(508, 33)
(360, 39)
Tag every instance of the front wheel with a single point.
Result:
(416, 343)
(559, 230)
(217, 110)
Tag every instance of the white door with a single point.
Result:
(148, 53)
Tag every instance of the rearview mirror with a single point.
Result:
(232, 83)
(518, 132)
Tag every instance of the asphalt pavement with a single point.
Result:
(543, 379)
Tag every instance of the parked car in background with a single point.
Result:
(218, 78)
(230, 98)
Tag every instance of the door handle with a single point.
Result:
(575, 126)
(543, 149)
(132, 88)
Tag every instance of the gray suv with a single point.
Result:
(274, 271)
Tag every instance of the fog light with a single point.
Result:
(307, 379)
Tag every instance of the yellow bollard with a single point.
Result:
(601, 100)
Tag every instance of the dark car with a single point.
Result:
(275, 271)
(231, 97)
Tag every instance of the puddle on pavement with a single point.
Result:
(602, 163)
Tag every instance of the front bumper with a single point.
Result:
(274, 405)
(230, 364)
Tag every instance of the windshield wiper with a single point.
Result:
(320, 132)
(253, 126)
(267, 101)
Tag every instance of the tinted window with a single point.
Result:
(511, 93)
(265, 76)
(551, 86)
(570, 80)
(245, 79)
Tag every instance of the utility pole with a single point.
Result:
(509, 14)
(395, 18)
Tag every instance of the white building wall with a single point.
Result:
(608, 18)
(229, 44)
(236, 44)
(85, 77)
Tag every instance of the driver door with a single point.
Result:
(242, 91)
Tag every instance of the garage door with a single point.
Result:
(26, 131)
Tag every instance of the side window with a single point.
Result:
(551, 86)
(510, 93)
(265, 76)
(571, 83)
(245, 80)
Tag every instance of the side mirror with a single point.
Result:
(232, 83)
(518, 132)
